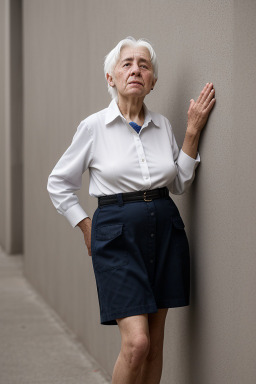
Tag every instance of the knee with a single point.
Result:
(136, 349)
(155, 352)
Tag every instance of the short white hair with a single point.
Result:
(113, 56)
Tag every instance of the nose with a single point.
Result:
(135, 70)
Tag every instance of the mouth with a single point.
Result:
(135, 82)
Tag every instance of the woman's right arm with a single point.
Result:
(86, 227)
(66, 177)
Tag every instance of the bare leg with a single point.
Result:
(134, 348)
(151, 370)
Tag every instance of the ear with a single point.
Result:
(153, 84)
(110, 80)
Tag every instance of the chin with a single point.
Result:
(138, 93)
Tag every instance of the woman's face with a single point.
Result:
(133, 75)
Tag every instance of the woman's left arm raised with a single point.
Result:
(198, 114)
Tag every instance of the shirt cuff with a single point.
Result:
(188, 163)
(75, 214)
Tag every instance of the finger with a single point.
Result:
(206, 93)
(191, 104)
(210, 106)
(210, 97)
(199, 100)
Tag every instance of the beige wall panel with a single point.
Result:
(196, 42)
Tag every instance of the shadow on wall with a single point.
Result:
(193, 321)
(181, 90)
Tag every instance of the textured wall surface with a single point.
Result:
(213, 340)
(243, 137)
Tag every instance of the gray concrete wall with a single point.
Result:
(11, 190)
(212, 341)
(16, 128)
(3, 101)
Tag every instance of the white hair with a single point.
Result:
(113, 56)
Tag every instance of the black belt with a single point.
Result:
(147, 195)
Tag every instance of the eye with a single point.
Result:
(126, 64)
(144, 66)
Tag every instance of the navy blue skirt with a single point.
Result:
(140, 256)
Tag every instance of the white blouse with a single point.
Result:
(119, 160)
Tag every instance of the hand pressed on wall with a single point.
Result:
(200, 109)
(198, 114)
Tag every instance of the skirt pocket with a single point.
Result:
(109, 250)
(180, 236)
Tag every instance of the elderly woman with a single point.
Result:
(136, 238)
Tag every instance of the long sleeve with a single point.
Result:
(185, 168)
(66, 177)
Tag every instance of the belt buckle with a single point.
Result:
(145, 197)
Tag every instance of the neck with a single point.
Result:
(132, 109)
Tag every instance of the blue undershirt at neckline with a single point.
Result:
(135, 126)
